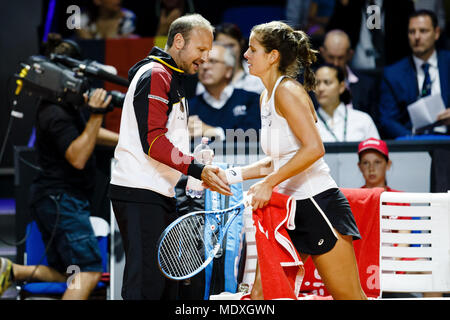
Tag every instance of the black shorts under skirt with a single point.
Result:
(313, 232)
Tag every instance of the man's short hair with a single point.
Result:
(185, 24)
(424, 12)
(339, 33)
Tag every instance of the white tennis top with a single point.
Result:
(280, 143)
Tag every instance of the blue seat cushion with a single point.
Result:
(51, 287)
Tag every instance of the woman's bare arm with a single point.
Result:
(292, 103)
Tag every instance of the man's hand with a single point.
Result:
(444, 116)
(79, 151)
(214, 179)
(223, 176)
(97, 99)
(197, 128)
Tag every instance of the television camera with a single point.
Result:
(64, 80)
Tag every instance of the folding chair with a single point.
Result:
(416, 261)
(34, 255)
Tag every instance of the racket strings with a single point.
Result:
(175, 249)
(183, 249)
(187, 244)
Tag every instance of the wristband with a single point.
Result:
(195, 169)
(234, 175)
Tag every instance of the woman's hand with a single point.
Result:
(261, 193)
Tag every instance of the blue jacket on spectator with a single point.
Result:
(241, 111)
(399, 88)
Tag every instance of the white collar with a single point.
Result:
(224, 96)
(340, 111)
(432, 61)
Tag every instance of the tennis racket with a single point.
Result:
(191, 242)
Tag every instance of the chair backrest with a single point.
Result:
(35, 248)
(415, 242)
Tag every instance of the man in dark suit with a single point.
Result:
(425, 72)
(363, 85)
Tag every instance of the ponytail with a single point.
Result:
(306, 57)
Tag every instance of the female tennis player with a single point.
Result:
(325, 226)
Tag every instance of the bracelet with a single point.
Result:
(234, 175)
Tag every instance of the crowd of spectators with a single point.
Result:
(370, 66)
(373, 47)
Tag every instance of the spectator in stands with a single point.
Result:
(104, 19)
(222, 106)
(337, 122)
(154, 17)
(374, 48)
(437, 6)
(424, 73)
(297, 12)
(230, 35)
(168, 11)
(374, 162)
(336, 49)
(309, 15)
(319, 15)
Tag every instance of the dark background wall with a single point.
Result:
(21, 21)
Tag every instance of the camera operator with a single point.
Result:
(60, 194)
